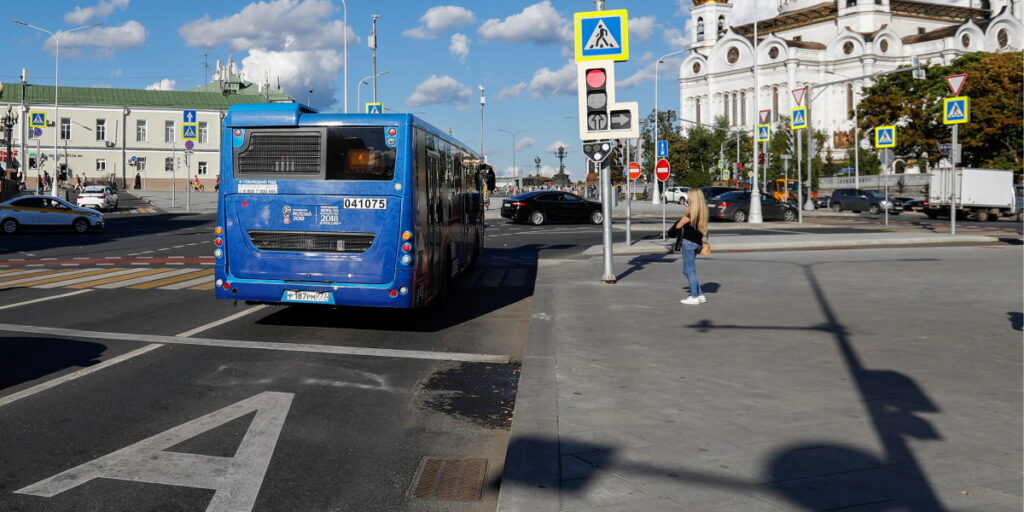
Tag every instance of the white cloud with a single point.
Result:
(642, 28)
(539, 23)
(511, 171)
(129, 35)
(298, 71)
(459, 47)
(668, 68)
(277, 25)
(743, 10)
(418, 33)
(524, 143)
(437, 90)
(82, 15)
(555, 145)
(512, 91)
(163, 85)
(546, 82)
(438, 19)
(676, 38)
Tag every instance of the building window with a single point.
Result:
(849, 101)
(966, 41)
(725, 110)
(140, 165)
(101, 166)
(773, 52)
(733, 55)
(743, 109)
(202, 168)
(1003, 38)
(696, 109)
(204, 132)
(735, 109)
(848, 47)
(798, 38)
(775, 104)
(851, 3)
(696, 67)
(169, 164)
(65, 128)
(921, 30)
(169, 132)
(884, 45)
(140, 130)
(101, 129)
(721, 26)
(700, 29)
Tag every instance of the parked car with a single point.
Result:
(98, 197)
(710, 192)
(46, 212)
(544, 206)
(915, 205)
(858, 200)
(736, 206)
(677, 194)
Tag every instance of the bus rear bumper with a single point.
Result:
(396, 294)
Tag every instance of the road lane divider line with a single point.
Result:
(222, 321)
(43, 299)
(193, 273)
(463, 357)
(72, 376)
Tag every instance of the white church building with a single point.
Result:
(814, 42)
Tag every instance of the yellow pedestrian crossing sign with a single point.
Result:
(37, 119)
(885, 137)
(374, 108)
(189, 131)
(798, 120)
(956, 110)
(601, 35)
(762, 133)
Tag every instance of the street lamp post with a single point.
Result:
(57, 36)
(9, 119)
(373, 46)
(519, 180)
(657, 121)
(359, 87)
(755, 192)
(483, 101)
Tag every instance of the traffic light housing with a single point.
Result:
(760, 159)
(596, 78)
(600, 116)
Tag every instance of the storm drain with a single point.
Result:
(450, 479)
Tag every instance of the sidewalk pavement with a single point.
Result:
(855, 380)
(190, 202)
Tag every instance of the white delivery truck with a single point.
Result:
(985, 194)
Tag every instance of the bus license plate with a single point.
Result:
(366, 203)
(307, 296)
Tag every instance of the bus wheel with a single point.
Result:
(537, 218)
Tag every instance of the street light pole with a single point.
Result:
(755, 192)
(344, 7)
(56, 91)
(519, 180)
(373, 46)
(657, 184)
(359, 87)
(483, 101)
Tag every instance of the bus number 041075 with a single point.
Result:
(366, 203)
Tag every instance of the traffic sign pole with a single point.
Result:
(629, 182)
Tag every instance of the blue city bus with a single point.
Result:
(343, 209)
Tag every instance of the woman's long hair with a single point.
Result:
(698, 212)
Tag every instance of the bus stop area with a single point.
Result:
(874, 379)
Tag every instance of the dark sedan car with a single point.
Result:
(736, 206)
(710, 192)
(551, 205)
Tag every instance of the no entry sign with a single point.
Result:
(634, 170)
(662, 170)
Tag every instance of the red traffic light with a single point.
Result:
(596, 78)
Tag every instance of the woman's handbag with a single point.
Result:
(705, 249)
(674, 231)
(678, 245)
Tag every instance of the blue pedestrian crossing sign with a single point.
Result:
(189, 131)
(956, 110)
(798, 119)
(601, 35)
(662, 149)
(38, 119)
(763, 133)
(374, 108)
(885, 137)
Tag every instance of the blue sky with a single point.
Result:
(436, 54)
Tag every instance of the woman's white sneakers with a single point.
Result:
(700, 299)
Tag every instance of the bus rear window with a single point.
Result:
(358, 153)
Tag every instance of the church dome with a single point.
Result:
(702, 2)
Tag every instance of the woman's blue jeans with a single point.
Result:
(690, 267)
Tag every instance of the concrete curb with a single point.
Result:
(532, 473)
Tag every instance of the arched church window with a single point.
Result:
(700, 29)
(735, 109)
(849, 101)
(775, 104)
(743, 109)
(696, 109)
(884, 45)
(851, 3)
(696, 68)
(733, 55)
(725, 109)
(1003, 38)
(721, 26)
(965, 40)
(848, 47)
(773, 52)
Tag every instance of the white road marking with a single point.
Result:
(261, 345)
(43, 299)
(782, 231)
(188, 284)
(20, 272)
(236, 480)
(38, 277)
(142, 279)
(222, 321)
(72, 376)
(77, 280)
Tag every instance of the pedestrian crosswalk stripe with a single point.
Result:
(9, 274)
(144, 276)
(205, 286)
(88, 278)
(188, 284)
(37, 279)
(110, 278)
(193, 273)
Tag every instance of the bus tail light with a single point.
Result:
(218, 242)
(407, 235)
(407, 247)
(393, 293)
(226, 285)
(218, 230)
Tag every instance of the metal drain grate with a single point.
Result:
(450, 479)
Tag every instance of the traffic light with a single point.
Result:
(739, 166)
(601, 117)
(620, 155)
(760, 159)
(596, 79)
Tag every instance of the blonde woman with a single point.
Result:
(694, 226)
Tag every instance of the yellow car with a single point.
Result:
(46, 212)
